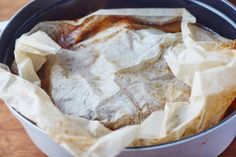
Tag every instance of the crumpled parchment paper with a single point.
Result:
(204, 61)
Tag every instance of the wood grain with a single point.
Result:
(10, 7)
(14, 141)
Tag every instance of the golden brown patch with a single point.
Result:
(95, 24)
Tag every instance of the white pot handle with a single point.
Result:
(2, 26)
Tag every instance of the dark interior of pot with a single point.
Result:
(217, 15)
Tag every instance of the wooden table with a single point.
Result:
(13, 140)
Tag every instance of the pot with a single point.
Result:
(220, 16)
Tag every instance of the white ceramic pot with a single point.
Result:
(209, 143)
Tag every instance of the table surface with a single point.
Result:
(13, 139)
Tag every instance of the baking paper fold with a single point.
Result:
(210, 71)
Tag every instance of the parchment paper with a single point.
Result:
(204, 61)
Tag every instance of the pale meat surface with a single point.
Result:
(117, 75)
